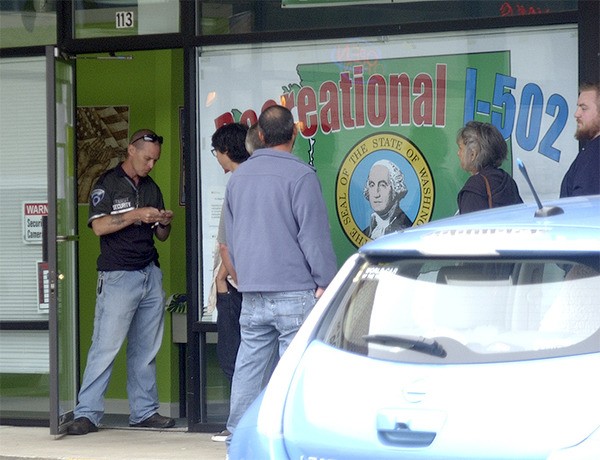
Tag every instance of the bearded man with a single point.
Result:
(583, 176)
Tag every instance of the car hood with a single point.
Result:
(346, 406)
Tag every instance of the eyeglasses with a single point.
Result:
(214, 152)
(149, 138)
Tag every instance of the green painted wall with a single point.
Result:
(151, 84)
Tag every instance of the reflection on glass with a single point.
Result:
(25, 394)
(246, 16)
(27, 23)
(107, 18)
(475, 311)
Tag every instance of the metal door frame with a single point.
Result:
(61, 414)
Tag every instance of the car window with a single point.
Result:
(459, 311)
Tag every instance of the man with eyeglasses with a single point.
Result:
(127, 211)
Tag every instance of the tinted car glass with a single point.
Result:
(457, 311)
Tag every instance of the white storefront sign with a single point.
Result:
(32, 222)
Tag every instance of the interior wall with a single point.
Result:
(151, 85)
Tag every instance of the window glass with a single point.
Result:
(27, 23)
(388, 109)
(23, 188)
(108, 18)
(476, 311)
(246, 16)
(24, 354)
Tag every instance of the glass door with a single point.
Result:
(62, 239)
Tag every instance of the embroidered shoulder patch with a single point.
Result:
(97, 195)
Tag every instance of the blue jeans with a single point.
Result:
(129, 304)
(268, 322)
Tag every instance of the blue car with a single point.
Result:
(472, 337)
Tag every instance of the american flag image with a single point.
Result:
(102, 138)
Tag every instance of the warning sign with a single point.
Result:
(32, 222)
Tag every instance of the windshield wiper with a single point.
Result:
(420, 344)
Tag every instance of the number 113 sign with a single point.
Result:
(124, 20)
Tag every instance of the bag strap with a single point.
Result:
(488, 190)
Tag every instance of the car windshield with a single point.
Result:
(458, 311)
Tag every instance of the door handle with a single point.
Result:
(66, 238)
(409, 427)
(403, 436)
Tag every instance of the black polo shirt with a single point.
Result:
(131, 248)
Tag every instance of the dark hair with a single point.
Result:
(230, 139)
(486, 142)
(277, 125)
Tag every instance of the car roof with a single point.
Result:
(510, 230)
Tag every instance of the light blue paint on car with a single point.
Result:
(473, 337)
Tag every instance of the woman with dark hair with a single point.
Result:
(481, 150)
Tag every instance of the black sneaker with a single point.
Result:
(155, 421)
(81, 425)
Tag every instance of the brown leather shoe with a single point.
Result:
(155, 421)
(81, 425)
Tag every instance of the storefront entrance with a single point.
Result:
(127, 65)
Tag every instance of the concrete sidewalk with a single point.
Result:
(108, 443)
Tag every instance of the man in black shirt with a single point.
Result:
(583, 176)
(127, 211)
